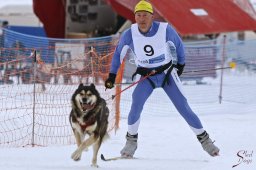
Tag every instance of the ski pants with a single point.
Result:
(174, 91)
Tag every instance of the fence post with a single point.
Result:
(222, 65)
(34, 97)
(93, 78)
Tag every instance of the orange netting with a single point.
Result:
(36, 92)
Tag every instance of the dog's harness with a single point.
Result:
(146, 71)
(88, 123)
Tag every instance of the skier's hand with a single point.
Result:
(109, 83)
(180, 68)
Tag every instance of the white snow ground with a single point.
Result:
(165, 140)
(164, 143)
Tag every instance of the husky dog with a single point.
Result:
(89, 116)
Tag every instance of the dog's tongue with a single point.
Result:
(87, 106)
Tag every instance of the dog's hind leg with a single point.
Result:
(76, 156)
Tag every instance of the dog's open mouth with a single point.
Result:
(86, 106)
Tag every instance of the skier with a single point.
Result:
(147, 39)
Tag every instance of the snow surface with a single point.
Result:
(164, 143)
(165, 140)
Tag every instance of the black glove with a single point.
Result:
(109, 83)
(180, 68)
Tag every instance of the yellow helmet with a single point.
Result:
(143, 6)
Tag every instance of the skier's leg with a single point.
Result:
(174, 91)
(139, 97)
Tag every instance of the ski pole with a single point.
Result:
(140, 80)
(231, 65)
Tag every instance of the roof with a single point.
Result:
(52, 15)
(195, 16)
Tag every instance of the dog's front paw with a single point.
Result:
(76, 156)
(95, 165)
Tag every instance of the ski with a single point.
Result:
(114, 158)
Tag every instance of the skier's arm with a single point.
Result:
(172, 35)
(120, 51)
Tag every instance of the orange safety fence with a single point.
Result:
(35, 94)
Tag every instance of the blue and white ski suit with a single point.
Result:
(150, 52)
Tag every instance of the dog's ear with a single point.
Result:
(92, 85)
(80, 85)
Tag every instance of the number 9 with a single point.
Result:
(149, 50)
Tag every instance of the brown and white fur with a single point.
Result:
(89, 116)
